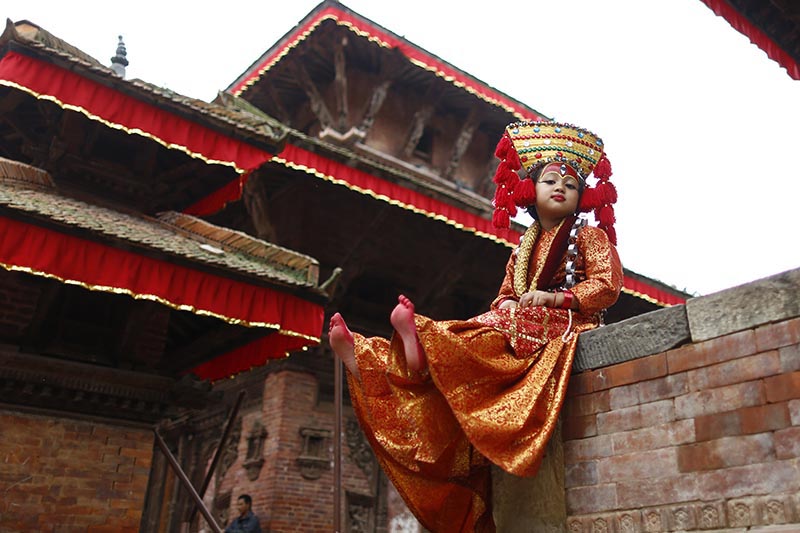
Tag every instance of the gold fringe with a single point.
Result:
(114, 125)
(158, 299)
(646, 297)
(384, 198)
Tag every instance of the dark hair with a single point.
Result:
(247, 499)
(535, 174)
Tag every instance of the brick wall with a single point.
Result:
(285, 499)
(65, 475)
(702, 436)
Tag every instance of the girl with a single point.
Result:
(441, 400)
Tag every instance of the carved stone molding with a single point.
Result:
(360, 452)
(747, 512)
(255, 450)
(314, 458)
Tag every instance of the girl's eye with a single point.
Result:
(571, 186)
(549, 182)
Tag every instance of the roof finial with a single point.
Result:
(120, 61)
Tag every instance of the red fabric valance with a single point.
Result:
(45, 252)
(741, 24)
(414, 54)
(652, 294)
(120, 111)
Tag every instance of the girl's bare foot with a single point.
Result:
(341, 340)
(403, 321)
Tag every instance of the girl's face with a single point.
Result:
(557, 191)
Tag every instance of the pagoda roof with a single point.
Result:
(364, 28)
(230, 119)
(772, 26)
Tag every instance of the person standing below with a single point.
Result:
(246, 522)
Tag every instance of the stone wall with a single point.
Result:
(60, 474)
(690, 418)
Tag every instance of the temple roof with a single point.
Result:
(231, 119)
(366, 29)
(29, 191)
(772, 26)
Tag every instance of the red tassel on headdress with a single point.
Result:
(602, 170)
(590, 200)
(512, 158)
(504, 175)
(501, 151)
(612, 234)
(605, 216)
(502, 196)
(500, 218)
(607, 193)
(525, 193)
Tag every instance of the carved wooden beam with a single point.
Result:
(340, 83)
(256, 203)
(277, 104)
(315, 98)
(462, 141)
(390, 69)
(422, 116)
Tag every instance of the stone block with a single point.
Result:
(636, 337)
(744, 307)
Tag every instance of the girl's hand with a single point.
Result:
(538, 298)
(507, 304)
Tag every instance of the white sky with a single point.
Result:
(700, 126)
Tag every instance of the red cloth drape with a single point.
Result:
(46, 252)
(120, 111)
(740, 23)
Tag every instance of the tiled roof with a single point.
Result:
(25, 189)
(236, 120)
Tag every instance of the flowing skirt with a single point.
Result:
(492, 393)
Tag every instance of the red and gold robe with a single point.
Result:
(492, 392)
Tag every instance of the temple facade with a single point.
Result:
(169, 265)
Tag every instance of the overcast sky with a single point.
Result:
(700, 126)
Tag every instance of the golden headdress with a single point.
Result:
(530, 145)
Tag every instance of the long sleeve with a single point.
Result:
(603, 272)
(506, 291)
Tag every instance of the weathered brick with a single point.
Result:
(776, 335)
(581, 474)
(640, 493)
(720, 400)
(576, 451)
(629, 372)
(735, 371)
(794, 412)
(790, 358)
(579, 427)
(641, 465)
(581, 383)
(587, 404)
(624, 396)
(783, 387)
(594, 499)
(711, 351)
(761, 418)
(709, 427)
(787, 443)
(653, 437)
(726, 452)
(635, 417)
(761, 478)
(663, 388)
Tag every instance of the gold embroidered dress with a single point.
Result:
(493, 390)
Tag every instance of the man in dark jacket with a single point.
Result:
(246, 522)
